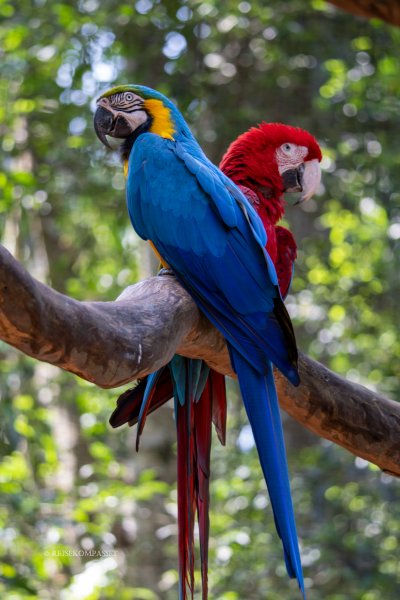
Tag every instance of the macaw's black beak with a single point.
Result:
(305, 178)
(103, 124)
(106, 123)
(292, 179)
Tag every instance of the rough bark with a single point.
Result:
(387, 10)
(111, 343)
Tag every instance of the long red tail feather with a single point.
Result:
(202, 433)
(193, 422)
(186, 496)
(218, 392)
(129, 403)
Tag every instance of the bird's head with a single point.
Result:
(126, 111)
(274, 158)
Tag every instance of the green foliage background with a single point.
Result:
(69, 485)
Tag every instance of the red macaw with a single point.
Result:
(251, 162)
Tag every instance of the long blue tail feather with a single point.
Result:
(261, 403)
(148, 394)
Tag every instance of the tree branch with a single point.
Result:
(112, 343)
(387, 10)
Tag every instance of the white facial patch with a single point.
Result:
(290, 156)
(128, 105)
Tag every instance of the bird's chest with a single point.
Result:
(134, 184)
(139, 219)
(141, 227)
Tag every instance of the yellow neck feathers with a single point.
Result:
(162, 122)
(126, 168)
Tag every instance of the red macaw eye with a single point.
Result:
(287, 148)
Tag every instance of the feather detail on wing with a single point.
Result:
(222, 263)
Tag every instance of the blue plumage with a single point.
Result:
(261, 403)
(226, 269)
(209, 234)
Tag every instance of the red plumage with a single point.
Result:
(130, 402)
(286, 255)
(186, 493)
(251, 163)
(193, 423)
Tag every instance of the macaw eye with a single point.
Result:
(129, 96)
(287, 148)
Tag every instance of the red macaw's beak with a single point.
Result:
(305, 179)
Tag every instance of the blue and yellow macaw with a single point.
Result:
(203, 228)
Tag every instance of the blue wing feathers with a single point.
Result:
(210, 183)
(205, 236)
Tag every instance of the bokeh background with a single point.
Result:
(83, 517)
